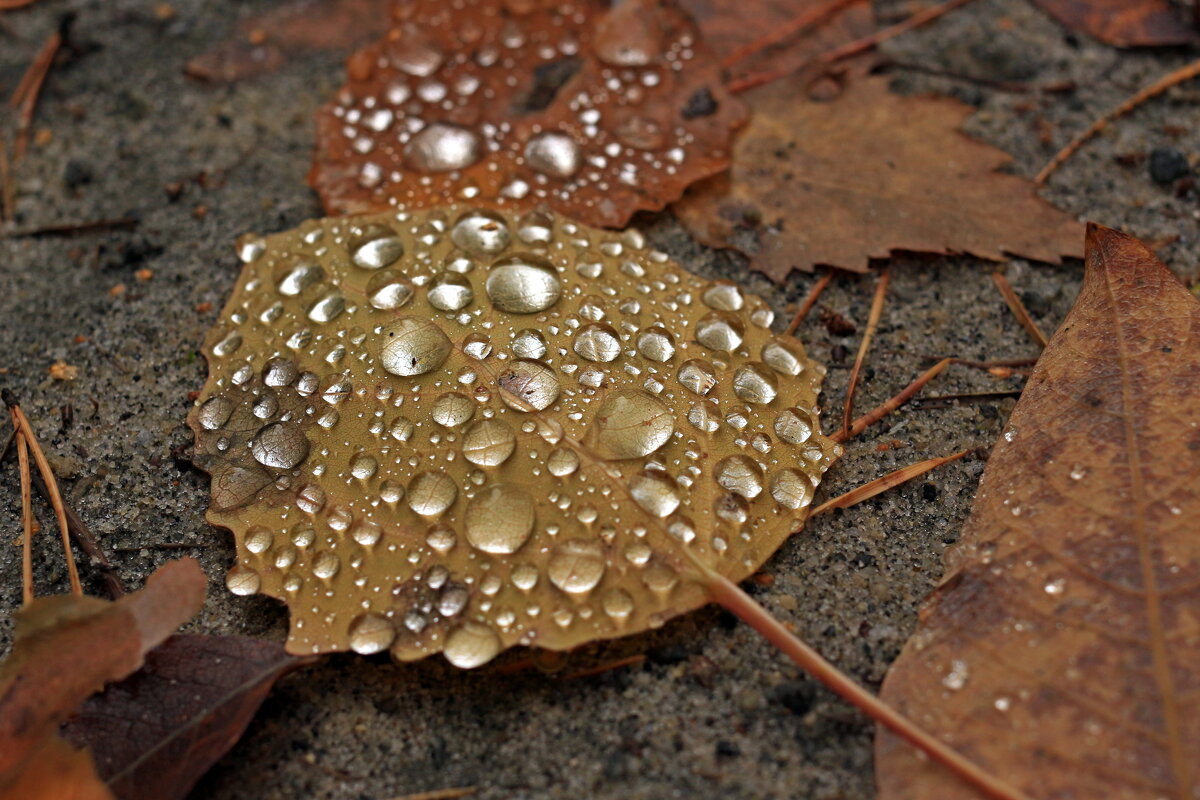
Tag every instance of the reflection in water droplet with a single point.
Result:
(720, 331)
(281, 445)
(523, 284)
(791, 488)
(755, 384)
(554, 154)
(375, 246)
(785, 355)
(412, 346)
(371, 633)
(597, 342)
(488, 443)
(453, 409)
(450, 292)
(576, 565)
(723, 296)
(499, 519)
(529, 344)
(528, 386)
(363, 466)
(481, 233)
(794, 426)
(214, 412)
(631, 424)
(563, 461)
(386, 290)
(441, 148)
(431, 493)
(697, 376)
(741, 475)
(242, 580)
(472, 645)
(655, 493)
(656, 343)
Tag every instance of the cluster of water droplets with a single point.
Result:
(564, 105)
(460, 430)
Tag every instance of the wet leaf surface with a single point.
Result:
(1141, 23)
(842, 181)
(265, 42)
(460, 430)
(65, 649)
(1060, 649)
(155, 733)
(598, 114)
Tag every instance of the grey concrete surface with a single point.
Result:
(713, 711)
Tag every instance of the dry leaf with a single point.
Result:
(730, 26)
(866, 174)
(1060, 650)
(155, 733)
(55, 771)
(263, 43)
(518, 103)
(1124, 23)
(460, 430)
(66, 648)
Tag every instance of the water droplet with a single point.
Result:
(412, 346)
(576, 565)
(258, 539)
(242, 580)
(481, 233)
(563, 461)
(523, 284)
(250, 247)
(597, 342)
(528, 385)
(441, 538)
(326, 565)
(741, 475)
(723, 296)
(431, 493)
(794, 426)
(704, 417)
(366, 533)
(375, 246)
(499, 519)
(215, 412)
(656, 343)
(371, 633)
(294, 279)
(386, 291)
(536, 227)
(655, 493)
(956, 678)
(784, 355)
(631, 424)
(755, 384)
(1078, 472)
(281, 445)
(471, 645)
(477, 346)
(488, 443)
(442, 148)
(525, 577)
(791, 489)
(554, 154)
(1010, 435)
(720, 331)
(529, 344)
(1056, 586)
(450, 292)
(697, 376)
(363, 466)
(617, 604)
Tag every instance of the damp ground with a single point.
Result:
(712, 711)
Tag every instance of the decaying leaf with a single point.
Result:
(518, 103)
(730, 26)
(264, 42)
(65, 649)
(154, 734)
(1061, 649)
(863, 175)
(1124, 23)
(460, 430)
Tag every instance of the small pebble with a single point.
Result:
(1168, 165)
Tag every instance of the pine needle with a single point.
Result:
(871, 417)
(881, 485)
(881, 288)
(810, 300)
(1018, 309)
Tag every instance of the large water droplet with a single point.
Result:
(431, 493)
(488, 443)
(617, 604)
(528, 385)
(281, 445)
(794, 426)
(499, 519)
(576, 566)
(697, 376)
(481, 233)
(741, 475)
(243, 580)
(784, 355)
(472, 645)
(371, 633)
(523, 284)
(755, 384)
(453, 409)
(720, 331)
(655, 493)
(441, 148)
(294, 279)
(214, 412)
(562, 462)
(631, 424)
(450, 292)
(791, 488)
(554, 154)
(412, 346)
(375, 246)
(723, 296)
(529, 344)
(656, 343)
(597, 341)
(387, 290)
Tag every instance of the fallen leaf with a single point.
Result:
(55, 771)
(520, 103)
(265, 42)
(1060, 649)
(155, 733)
(460, 430)
(1124, 23)
(66, 648)
(730, 27)
(866, 174)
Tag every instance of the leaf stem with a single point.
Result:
(729, 595)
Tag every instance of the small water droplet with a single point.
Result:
(243, 580)
(488, 443)
(375, 246)
(499, 519)
(450, 292)
(442, 148)
(431, 493)
(371, 633)
(597, 341)
(554, 154)
(481, 233)
(576, 566)
(412, 346)
(281, 445)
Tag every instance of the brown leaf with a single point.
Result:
(55, 771)
(155, 733)
(1124, 23)
(518, 103)
(66, 648)
(730, 26)
(863, 175)
(1061, 649)
(263, 43)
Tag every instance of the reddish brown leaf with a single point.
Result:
(56, 771)
(67, 647)
(155, 733)
(519, 103)
(1124, 23)
(263, 43)
(1061, 649)
(865, 174)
